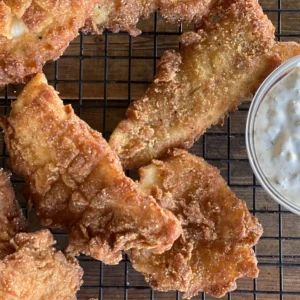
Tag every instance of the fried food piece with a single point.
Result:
(187, 11)
(195, 88)
(286, 50)
(37, 271)
(124, 15)
(119, 15)
(12, 220)
(215, 248)
(35, 31)
(76, 181)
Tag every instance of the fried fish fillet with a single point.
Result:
(217, 67)
(215, 248)
(187, 11)
(12, 220)
(119, 15)
(35, 31)
(37, 271)
(76, 181)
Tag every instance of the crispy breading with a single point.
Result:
(286, 50)
(187, 11)
(119, 15)
(12, 220)
(217, 67)
(37, 271)
(35, 31)
(215, 248)
(76, 181)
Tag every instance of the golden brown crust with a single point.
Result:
(119, 15)
(187, 11)
(76, 181)
(35, 31)
(286, 50)
(37, 271)
(12, 220)
(217, 67)
(215, 248)
(124, 15)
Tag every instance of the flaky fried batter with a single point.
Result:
(216, 69)
(286, 50)
(119, 15)
(218, 231)
(35, 31)
(177, 11)
(12, 220)
(37, 271)
(76, 181)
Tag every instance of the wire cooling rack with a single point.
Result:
(100, 76)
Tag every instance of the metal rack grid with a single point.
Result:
(279, 249)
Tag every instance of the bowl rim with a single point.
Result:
(259, 96)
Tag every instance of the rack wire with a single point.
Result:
(100, 76)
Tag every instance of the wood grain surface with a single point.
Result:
(100, 82)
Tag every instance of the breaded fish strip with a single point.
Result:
(12, 220)
(196, 87)
(76, 181)
(119, 15)
(35, 31)
(37, 271)
(215, 248)
(186, 11)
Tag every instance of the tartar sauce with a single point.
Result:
(277, 136)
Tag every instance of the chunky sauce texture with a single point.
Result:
(277, 136)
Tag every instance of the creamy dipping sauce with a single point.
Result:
(277, 136)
